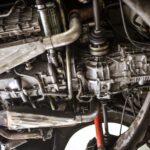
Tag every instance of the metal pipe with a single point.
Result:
(67, 37)
(20, 136)
(10, 11)
(55, 94)
(137, 130)
(97, 10)
(19, 119)
(42, 9)
(105, 117)
(68, 72)
(62, 14)
(44, 19)
(40, 4)
(85, 13)
(141, 7)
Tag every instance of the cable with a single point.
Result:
(134, 23)
(116, 31)
(125, 27)
(134, 43)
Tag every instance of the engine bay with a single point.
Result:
(62, 62)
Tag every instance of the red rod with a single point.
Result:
(99, 132)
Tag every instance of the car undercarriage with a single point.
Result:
(65, 65)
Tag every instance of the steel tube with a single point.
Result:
(97, 14)
(55, 94)
(68, 72)
(41, 7)
(44, 20)
(105, 116)
(26, 119)
(67, 37)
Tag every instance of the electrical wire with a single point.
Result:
(133, 24)
(125, 27)
(134, 43)
(118, 33)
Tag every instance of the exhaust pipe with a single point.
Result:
(19, 119)
(67, 37)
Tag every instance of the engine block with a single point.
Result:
(101, 77)
(22, 21)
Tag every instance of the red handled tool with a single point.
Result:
(99, 132)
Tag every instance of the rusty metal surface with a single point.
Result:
(85, 13)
